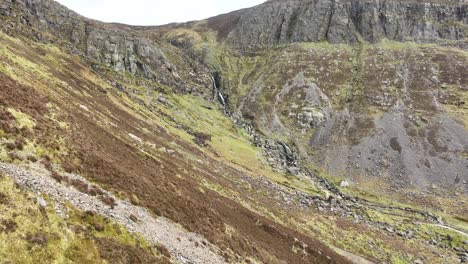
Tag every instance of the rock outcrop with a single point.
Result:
(117, 46)
(279, 22)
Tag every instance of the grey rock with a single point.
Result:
(293, 170)
(342, 21)
(459, 249)
(163, 100)
(464, 258)
(344, 184)
(42, 203)
(116, 46)
(311, 118)
(440, 221)
(4, 10)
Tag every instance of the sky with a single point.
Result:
(154, 12)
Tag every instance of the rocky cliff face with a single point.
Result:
(279, 22)
(121, 47)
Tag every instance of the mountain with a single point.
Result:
(296, 131)
(279, 22)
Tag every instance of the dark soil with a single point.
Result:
(39, 239)
(59, 178)
(115, 252)
(3, 198)
(201, 139)
(8, 226)
(224, 24)
(395, 145)
(108, 201)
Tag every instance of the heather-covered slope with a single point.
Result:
(71, 119)
(245, 147)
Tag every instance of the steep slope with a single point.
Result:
(388, 102)
(277, 22)
(394, 111)
(34, 229)
(84, 125)
(233, 144)
(180, 243)
(134, 136)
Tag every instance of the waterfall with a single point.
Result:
(217, 92)
(215, 88)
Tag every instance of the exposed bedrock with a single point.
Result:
(277, 22)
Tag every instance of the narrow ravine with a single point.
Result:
(185, 247)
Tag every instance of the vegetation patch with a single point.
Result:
(23, 120)
(30, 234)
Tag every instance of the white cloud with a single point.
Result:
(154, 12)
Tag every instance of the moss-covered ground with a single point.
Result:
(30, 233)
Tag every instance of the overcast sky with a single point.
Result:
(154, 12)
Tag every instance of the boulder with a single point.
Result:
(310, 118)
(344, 184)
(42, 203)
(135, 138)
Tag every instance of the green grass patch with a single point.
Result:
(31, 235)
(446, 236)
(22, 119)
